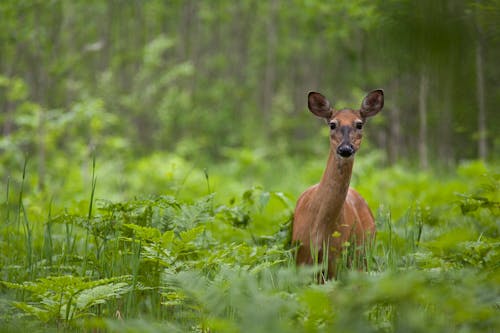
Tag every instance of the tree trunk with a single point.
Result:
(395, 139)
(481, 120)
(268, 87)
(445, 125)
(186, 30)
(422, 112)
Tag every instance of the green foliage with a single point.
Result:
(67, 298)
(182, 222)
(223, 263)
(163, 81)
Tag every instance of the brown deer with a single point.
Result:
(330, 213)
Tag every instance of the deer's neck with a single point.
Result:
(333, 188)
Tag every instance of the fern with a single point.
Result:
(472, 203)
(64, 298)
(99, 295)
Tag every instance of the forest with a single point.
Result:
(152, 153)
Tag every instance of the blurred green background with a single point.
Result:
(163, 93)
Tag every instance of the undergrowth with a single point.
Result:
(166, 263)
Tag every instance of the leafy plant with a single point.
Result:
(224, 263)
(67, 298)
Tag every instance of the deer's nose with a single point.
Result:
(345, 150)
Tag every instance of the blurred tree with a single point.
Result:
(481, 117)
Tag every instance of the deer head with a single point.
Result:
(346, 125)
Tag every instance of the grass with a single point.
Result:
(210, 263)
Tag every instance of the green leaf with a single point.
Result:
(42, 314)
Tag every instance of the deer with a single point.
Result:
(330, 215)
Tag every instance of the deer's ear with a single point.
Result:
(372, 103)
(319, 105)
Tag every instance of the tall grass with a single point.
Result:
(166, 263)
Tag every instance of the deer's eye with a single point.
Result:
(333, 125)
(359, 125)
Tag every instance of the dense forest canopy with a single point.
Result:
(206, 79)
